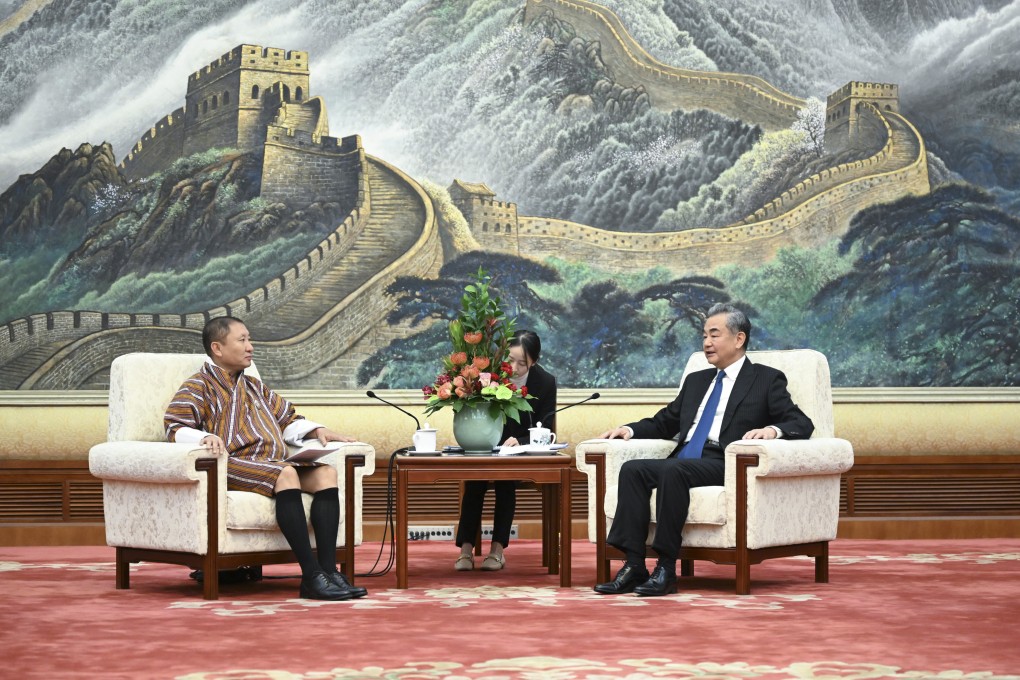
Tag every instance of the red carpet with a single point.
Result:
(894, 609)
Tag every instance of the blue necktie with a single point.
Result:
(693, 448)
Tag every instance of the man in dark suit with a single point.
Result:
(750, 402)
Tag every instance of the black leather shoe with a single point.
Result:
(661, 582)
(318, 586)
(341, 581)
(628, 578)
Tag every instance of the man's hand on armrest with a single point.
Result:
(622, 432)
(762, 433)
(213, 443)
(326, 435)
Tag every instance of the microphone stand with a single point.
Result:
(595, 395)
(373, 395)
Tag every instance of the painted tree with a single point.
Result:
(932, 296)
(811, 123)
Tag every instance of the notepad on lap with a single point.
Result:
(312, 451)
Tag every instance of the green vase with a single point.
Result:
(475, 430)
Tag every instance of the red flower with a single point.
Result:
(524, 390)
(428, 390)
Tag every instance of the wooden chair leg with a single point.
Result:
(743, 573)
(822, 565)
(603, 571)
(687, 567)
(211, 578)
(123, 571)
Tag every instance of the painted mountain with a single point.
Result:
(541, 115)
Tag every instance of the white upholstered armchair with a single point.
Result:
(168, 502)
(780, 498)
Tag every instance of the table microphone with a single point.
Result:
(417, 425)
(595, 395)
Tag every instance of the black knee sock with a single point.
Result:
(325, 518)
(290, 515)
(636, 560)
(667, 563)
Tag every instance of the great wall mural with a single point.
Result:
(609, 163)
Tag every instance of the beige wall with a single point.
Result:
(62, 426)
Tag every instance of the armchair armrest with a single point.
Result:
(796, 457)
(155, 462)
(619, 451)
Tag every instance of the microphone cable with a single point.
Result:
(388, 523)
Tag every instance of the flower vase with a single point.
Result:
(476, 430)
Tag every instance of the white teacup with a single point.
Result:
(541, 436)
(424, 439)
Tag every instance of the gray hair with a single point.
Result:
(736, 320)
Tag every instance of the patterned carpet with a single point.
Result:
(894, 609)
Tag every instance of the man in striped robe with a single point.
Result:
(224, 410)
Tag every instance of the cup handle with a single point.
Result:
(552, 438)
(415, 439)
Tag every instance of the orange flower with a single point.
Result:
(445, 391)
(469, 372)
(461, 392)
(473, 338)
(458, 358)
(459, 381)
(481, 363)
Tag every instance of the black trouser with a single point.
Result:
(674, 478)
(471, 511)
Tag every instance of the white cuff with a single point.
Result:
(189, 435)
(296, 431)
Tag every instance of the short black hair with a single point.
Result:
(530, 342)
(215, 330)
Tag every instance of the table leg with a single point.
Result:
(401, 530)
(548, 508)
(552, 522)
(565, 528)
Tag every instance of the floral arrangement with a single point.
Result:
(476, 372)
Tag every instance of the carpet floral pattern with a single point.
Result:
(893, 609)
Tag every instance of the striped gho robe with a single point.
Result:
(254, 423)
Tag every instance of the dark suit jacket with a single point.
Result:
(759, 399)
(542, 384)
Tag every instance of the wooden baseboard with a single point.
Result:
(917, 528)
(53, 533)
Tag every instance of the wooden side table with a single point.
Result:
(550, 472)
